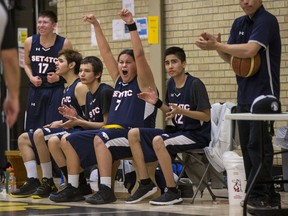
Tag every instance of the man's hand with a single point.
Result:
(11, 109)
(208, 41)
(91, 19)
(126, 16)
(52, 77)
(36, 81)
(67, 112)
(149, 97)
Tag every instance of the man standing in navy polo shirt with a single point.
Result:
(255, 32)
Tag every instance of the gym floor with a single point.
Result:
(202, 206)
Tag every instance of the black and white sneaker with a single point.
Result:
(68, 194)
(104, 195)
(142, 192)
(167, 198)
(27, 189)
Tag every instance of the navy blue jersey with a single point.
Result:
(70, 99)
(127, 109)
(263, 29)
(98, 103)
(43, 59)
(192, 96)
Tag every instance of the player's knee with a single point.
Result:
(158, 143)
(97, 142)
(53, 143)
(38, 134)
(23, 140)
(133, 135)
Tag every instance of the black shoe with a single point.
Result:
(258, 202)
(275, 201)
(85, 189)
(45, 189)
(104, 195)
(167, 198)
(27, 189)
(142, 192)
(68, 194)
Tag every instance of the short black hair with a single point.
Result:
(128, 52)
(50, 14)
(95, 62)
(178, 51)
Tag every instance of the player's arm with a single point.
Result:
(89, 125)
(27, 66)
(67, 44)
(104, 48)
(245, 50)
(80, 93)
(144, 74)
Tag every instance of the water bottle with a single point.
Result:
(11, 183)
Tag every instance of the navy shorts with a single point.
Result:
(116, 140)
(83, 143)
(177, 142)
(48, 132)
(42, 107)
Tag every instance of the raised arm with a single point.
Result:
(144, 74)
(105, 51)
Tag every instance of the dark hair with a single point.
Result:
(97, 65)
(50, 14)
(72, 56)
(128, 52)
(179, 52)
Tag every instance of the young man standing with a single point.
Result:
(46, 87)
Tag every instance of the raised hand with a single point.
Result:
(91, 19)
(149, 97)
(126, 16)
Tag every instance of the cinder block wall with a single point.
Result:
(184, 21)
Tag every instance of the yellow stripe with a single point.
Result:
(112, 126)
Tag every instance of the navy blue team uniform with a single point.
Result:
(97, 105)
(68, 99)
(126, 111)
(188, 133)
(43, 101)
(262, 28)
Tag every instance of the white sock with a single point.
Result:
(31, 169)
(73, 180)
(47, 169)
(106, 181)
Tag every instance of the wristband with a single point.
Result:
(132, 27)
(159, 103)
